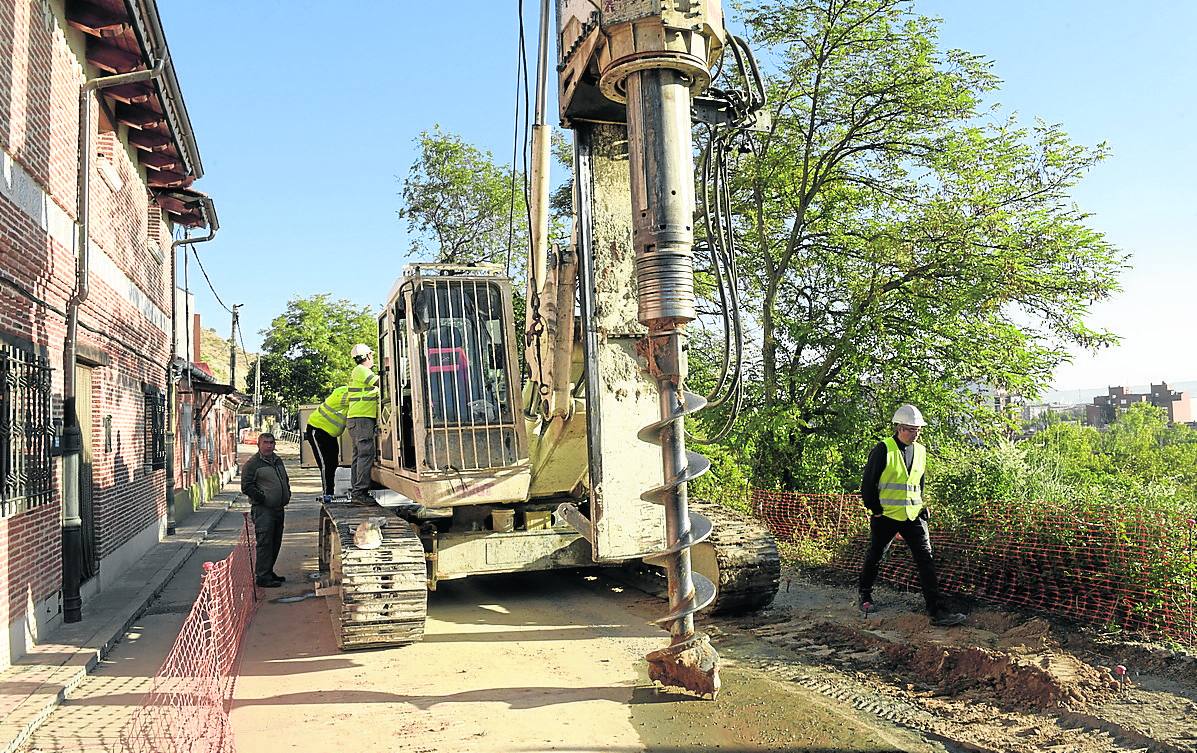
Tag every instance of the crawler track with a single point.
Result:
(740, 558)
(745, 553)
(381, 597)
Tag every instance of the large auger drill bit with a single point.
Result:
(657, 86)
(690, 661)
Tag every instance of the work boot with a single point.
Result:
(363, 498)
(268, 583)
(944, 618)
(865, 604)
(278, 577)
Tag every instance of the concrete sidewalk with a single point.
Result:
(40, 681)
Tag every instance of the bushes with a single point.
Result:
(1140, 462)
(726, 483)
(961, 480)
(1140, 469)
(1093, 524)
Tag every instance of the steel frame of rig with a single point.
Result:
(587, 463)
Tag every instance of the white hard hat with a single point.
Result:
(908, 415)
(360, 350)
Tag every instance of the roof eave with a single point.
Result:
(148, 26)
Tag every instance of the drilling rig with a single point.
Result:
(585, 462)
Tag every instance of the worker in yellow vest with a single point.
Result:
(325, 426)
(363, 419)
(892, 487)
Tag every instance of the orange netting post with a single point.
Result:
(186, 709)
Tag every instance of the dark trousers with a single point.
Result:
(914, 532)
(327, 450)
(268, 526)
(361, 431)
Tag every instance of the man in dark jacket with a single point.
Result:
(264, 480)
(892, 488)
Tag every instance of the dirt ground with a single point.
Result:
(1003, 682)
(528, 662)
(541, 662)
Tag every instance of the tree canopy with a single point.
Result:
(305, 353)
(462, 207)
(898, 240)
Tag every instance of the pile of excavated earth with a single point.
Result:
(1003, 682)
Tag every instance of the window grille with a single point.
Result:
(468, 404)
(155, 429)
(26, 430)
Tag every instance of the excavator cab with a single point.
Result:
(451, 429)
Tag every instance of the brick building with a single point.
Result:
(205, 442)
(1105, 408)
(95, 176)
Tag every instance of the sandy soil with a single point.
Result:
(542, 662)
(1003, 682)
(532, 662)
(514, 663)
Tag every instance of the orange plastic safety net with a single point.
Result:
(186, 709)
(1134, 572)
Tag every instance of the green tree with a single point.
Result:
(1146, 458)
(561, 198)
(897, 241)
(460, 205)
(305, 353)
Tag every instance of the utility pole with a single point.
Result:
(233, 349)
(258, 392)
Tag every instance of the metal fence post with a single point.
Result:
(1192, 579)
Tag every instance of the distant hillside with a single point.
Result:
(215, 350)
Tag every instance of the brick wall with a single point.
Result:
(39, 89)
(213, 447)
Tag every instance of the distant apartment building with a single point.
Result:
(998, 400)
(1106, 408)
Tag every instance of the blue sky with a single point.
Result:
(306, 114)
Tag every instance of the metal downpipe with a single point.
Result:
(72, 437)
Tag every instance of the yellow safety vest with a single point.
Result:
(363, 393)
(330, 416)
(900, 490)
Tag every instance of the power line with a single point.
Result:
(241, 340)
(520, 80)
(208, 279)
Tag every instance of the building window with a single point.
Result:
(155, 429)
(26, 430)
(155, 232)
